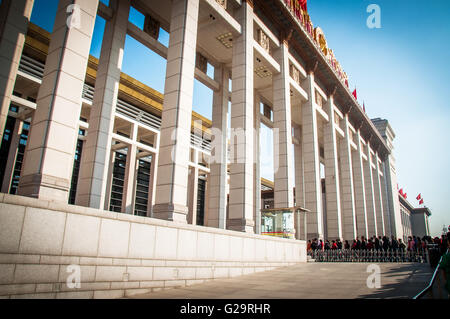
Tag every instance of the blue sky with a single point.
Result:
(400, 71)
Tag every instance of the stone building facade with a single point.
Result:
(75, 129)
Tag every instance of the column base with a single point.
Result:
(241, 225)
(171, 212)
(44, 187)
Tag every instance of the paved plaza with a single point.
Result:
(310, 281)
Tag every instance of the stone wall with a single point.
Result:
(120, 255)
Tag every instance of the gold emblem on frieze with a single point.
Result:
(152, 26)
(319, 99)
(201, 63)
(319, 37)
(264, 40)
(223, 3)
(295, 74)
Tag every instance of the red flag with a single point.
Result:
(405, 196)
(419, 197)
(401, 192)
(421, 202)
(304, 5)
(354, 94)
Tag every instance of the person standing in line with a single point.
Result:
(401, 245)
(370, 244)
(358, 244)
(339, 244)
(394, 243)
(346, 245)
(363, 243)
(444, 266)
(411, 245)
(385, 243)
(334, 245)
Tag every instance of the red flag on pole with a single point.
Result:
(421, 202)
(405, 196)
(304, 5)
(401, 192)
(354, 94)
(419, 197)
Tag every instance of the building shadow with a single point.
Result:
(405, 287)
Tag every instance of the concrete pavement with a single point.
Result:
(310, 281)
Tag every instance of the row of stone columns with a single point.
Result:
(355, 200)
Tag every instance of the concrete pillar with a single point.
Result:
(207, 197)
(369, 182)
(174, 151)
(312, 180)
(14, 19)
(282, 129)
(299, 187)
(392, 195)
(386, 215)
(112, 160)
(94, 169)
(193, 193)
(347, 187)
(129, 184)
(359, 184)
(218, 167)
(378, 188)
(332, 185)
(240, 217)
(257, 169)
(152, 185)
(50, 150)
(12, 156)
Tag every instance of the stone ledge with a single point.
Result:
(79, 210)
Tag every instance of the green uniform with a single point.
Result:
(445, 266)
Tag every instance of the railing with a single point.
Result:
(31, 67)
(378, 256)
(434, 279)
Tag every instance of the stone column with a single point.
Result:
(359, 184)
(218, 167)
(174, 151)
(257, 170)
(378, 188)
(50, 150)
(152, 185)
(369, 182)
(299, 187)
(282, 137)
(332, 185)
(240, 217)
(95, 158)
(386, 214)
(12, 156)
(392, 215)
(14, 19)
(129, 184)
(193, 193)
(112, 160)
(347, 186)
(312, 180)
